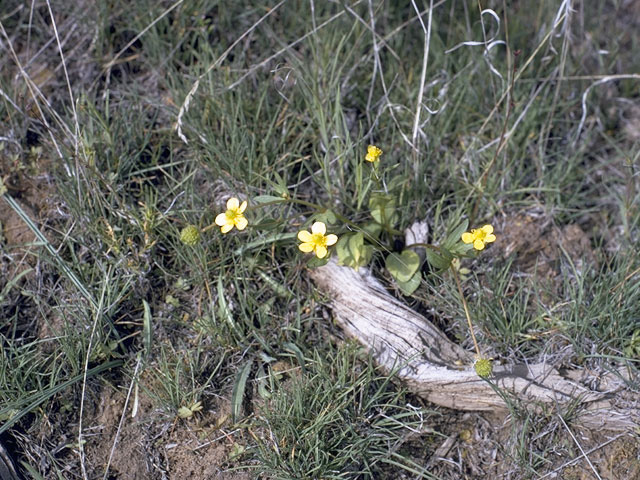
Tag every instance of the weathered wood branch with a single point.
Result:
(441, 371)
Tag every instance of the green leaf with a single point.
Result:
(260, 199)
(277, 287)
(147, 330)
(261, 380)
(27, 404)
(315, 262)
(327, 217)
(342, 248)
(439, 260)
(238, 391)
(356, 242)
(268, 223)
(374, 229)
(455, 236)
(397, 183)
(383, 208)
(292, 347)
(461, 249)
(13, 282)
(184, 412)
(352, 250)
(236, 451)
(407, 288)
(403, 266)
(265, 242)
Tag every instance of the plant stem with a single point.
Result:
(424, 245)
(466, 309)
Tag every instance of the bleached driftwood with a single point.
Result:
(441, 371)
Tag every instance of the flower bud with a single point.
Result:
(190, 235)
(483, 367)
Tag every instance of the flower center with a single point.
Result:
(319, 240)
(479, 234)
(231, 214)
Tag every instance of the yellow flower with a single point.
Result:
(373, 153)
(479, 237)
(316, 241)
(233, 217)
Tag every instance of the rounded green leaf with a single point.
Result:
(352, 251)
(403, 266)
(383, 207)
(407, 288)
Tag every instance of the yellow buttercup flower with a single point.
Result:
(233, 217)
(316, 241)
(373, 153)
(479, 237)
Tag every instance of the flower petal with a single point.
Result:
(233, 203)
(319, 227)
(468, 237)
(478, 245)
(243, 207)
(490, 238)
(487, 229)
(221, 219)
(241, 222)
(306, 247)
(321, 251)
(331, 239)
(226, 228)
(304, 236)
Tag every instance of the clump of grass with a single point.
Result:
(339, 419)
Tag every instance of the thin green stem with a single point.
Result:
(466, 309)
(424, 245)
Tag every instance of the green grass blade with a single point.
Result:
(47, 245)
(238, 391)
(42, 396)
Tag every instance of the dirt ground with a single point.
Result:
(151, 445)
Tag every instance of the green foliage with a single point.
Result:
(633, 349)
(439, 259)
(238, 391)
(452, 243)
(325, 422)
(411, 285)
(383, 209)
(352, 251)
(326, 216)
(403, 266)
